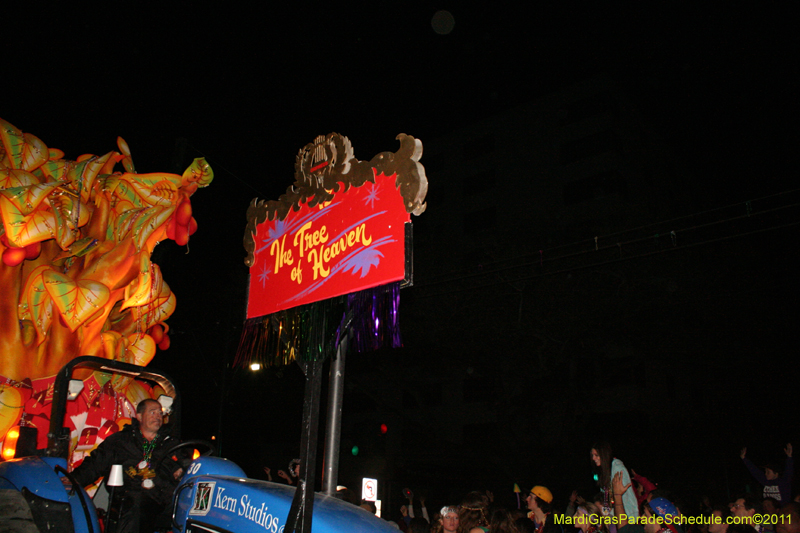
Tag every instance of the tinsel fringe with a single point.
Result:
(312, 332)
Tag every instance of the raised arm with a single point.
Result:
(754, 470)
(619, 488)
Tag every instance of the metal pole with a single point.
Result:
(301, 511)
(110, 525)
(333, 435)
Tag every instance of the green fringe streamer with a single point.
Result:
(312, 332)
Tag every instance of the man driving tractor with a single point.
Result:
(149, 476)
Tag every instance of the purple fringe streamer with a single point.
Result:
(312, 332)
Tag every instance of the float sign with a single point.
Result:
(339, 229)
(354, 242)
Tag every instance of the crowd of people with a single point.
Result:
(624, 502)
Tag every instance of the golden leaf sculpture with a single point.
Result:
(76, 238)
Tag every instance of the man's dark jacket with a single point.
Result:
(126, 447)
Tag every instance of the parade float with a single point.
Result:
(76, 279)
(327, 261)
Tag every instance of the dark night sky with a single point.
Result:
(247, 87)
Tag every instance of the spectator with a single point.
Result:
(719, 520)
(654, 512)
(669, 496)
(745, 508)
(606, 466)
(473, 513)
(587, 518)
(741, 528)
(418, 525)
(405, 519)
(410, 497)
(789, 519)
(294, 471)
(503, 522)
(642, 486)
(664, 509)
(448, 520)
(524, 524)
(574, 501)
(705, 505)
(770, 507)
(776, 484)
(347, 495)
(540, 502)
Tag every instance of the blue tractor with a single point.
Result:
(213, 495)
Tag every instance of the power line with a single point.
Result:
(601, 253)
(747, 205)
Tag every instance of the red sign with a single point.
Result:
(339, 229)
(351, 243)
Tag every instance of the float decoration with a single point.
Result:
(76, 277)
(331, 253)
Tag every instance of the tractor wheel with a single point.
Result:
(15, 515)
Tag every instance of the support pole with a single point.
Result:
(300, 514)
(333, 435)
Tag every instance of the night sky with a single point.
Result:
(247, 87)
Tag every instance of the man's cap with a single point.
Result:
(663, 507)
(543, 493)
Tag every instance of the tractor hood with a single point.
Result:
(225, 503)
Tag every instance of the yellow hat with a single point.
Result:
(543, 493)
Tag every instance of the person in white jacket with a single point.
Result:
(606, 466)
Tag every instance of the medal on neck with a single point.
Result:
(144, 464)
